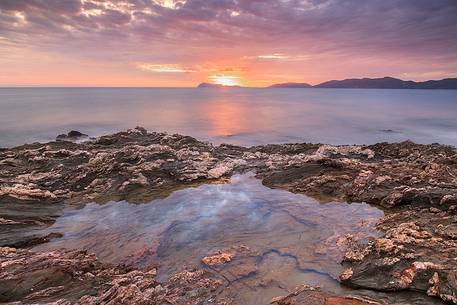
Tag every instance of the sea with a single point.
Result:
(241, 116)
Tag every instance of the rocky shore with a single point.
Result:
(415, 184)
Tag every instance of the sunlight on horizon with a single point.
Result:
(225, 80)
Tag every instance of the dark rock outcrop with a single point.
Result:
(72, 136)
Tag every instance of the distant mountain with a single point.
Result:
(369, 83)
(209, 85)
(291, 85)
(380, 83)
(447, 83)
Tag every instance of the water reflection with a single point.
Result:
(303, 238)
(226, 119)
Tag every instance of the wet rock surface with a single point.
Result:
(314, 296)
(417, 184)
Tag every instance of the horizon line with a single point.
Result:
(216, 86)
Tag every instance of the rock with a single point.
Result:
(310, 295)
(224, 256)
(75, 134)
(76, 277)
(434, 210)
(218, 171)
(387, 174)
(4, 221)
(346, 274)
(72, 136)
(417, 252)
(26, 192)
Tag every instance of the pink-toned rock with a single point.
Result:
(224, 256)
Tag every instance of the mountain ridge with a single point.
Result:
(291, 85)
(380, 83)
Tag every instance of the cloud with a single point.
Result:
(164, 68)
(192, 33)
(216, 76)
(277, 57)
(323, 25)
(272, 56)
(171, 4)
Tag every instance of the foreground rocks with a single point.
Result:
(115, 165)
(76, 277)
(417, 252)
(417, 184)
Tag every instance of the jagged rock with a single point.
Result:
(417, 252)
(26, 192)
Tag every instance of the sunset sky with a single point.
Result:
(234, 42)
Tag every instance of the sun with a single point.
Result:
(225, 80)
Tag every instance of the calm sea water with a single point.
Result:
(237, 116)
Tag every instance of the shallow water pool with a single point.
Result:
(292, 239)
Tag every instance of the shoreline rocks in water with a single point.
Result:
(416, 184)
(72, 136)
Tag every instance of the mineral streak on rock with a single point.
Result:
(417, 183)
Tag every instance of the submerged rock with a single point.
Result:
(310, 295)
(224, 256)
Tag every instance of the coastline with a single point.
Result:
(415, 183)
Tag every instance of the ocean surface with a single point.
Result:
(237, 116)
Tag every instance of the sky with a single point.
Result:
(171, 43)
